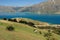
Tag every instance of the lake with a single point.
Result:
(53, 19)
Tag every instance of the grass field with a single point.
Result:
(21, 32)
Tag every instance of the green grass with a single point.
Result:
(22, 32)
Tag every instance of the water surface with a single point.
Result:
(54, 19)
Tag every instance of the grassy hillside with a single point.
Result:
(21, 32)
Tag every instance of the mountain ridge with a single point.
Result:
(49, 6)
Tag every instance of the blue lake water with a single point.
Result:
(54, 19)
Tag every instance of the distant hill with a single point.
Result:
(9, 9)
(6, 9)
(50, 6)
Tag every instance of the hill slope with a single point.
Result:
(6, 9)
(9, 9)
(50, 7)
(45, 7)
(22, 32)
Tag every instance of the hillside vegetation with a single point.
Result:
(24, 32)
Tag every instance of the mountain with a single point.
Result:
(9, 9)
(6, 9)
(50, 6)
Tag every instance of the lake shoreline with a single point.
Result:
(33, 23)
(51, 19)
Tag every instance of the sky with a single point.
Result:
(19, 2)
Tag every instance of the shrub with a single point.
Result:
(10, 28)
(4, 19)
(23, 22)
(9, 20)
(48, 34)
(40, 32)
(30, 23)
(15, 20)
(57, 31)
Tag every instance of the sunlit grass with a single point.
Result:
(22, 32)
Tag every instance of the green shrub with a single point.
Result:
(57, 31)
(10, 28)
(4, 18)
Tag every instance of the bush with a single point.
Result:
(4, 19)
(24, 22)
(48, 34)
(9, 20)
(51, 38)
(40, 32)
(57, 31)
(10, 28)
(15, 20)
(30, 23)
